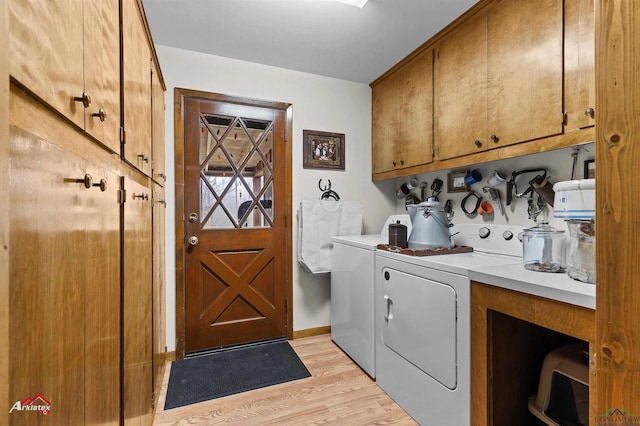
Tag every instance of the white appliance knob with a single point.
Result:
(507, 235)
(484, 232)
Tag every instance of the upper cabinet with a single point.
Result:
(157, 128)
(402, 116)
(136, 65)
(460, 90)
(524, 71)
(509, 78)
(579, 74)
(68, 55)
(498, 78)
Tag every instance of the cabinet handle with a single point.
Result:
(87, 180)
(590, 112)
(477, 143)
(495, 138)
(143, 157)
(163, 202)
(85, 99)
(102, 114)
(162, 175)
(143, 197)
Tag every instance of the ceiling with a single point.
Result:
(316, 36)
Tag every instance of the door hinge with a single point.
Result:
(153, 399)
(122, 196)
(565, 118)
(123, 135)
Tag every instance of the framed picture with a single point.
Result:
(590, 169)
(322, 150)
(456, 182)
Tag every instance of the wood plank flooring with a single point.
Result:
(338, 392)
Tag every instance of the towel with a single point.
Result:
(318, 221)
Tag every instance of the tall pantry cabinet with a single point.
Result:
(85, 285)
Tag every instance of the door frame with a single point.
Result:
(179, 96)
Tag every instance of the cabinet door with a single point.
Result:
(385, 108)
(46, 44)
(157, 119)
(460, 90)
(579, 72)
(524, 71)
(414, 144)
(137, 307)
(137, 88)
(64, 285)
(102, 70)
(159, 299)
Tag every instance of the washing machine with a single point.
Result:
(352, 293)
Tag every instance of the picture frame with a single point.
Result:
(456, 181)
(590, 169)
(323, 150)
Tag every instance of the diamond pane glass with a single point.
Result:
(236, 172)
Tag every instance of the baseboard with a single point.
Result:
(311, 332)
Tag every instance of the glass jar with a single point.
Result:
(544, 249)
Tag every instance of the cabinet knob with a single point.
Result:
(477, 143)
(590, 112)
(394, 163)
(102, 185)
(402, 162)
(102, 114)
(143, 197)
(85, 99)
(495, 138)
(193, 240)
(162, 175)
(143, 157)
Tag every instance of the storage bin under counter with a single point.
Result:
(555, 286)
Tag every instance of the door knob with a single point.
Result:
(193, 240)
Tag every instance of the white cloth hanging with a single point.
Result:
(318, 221)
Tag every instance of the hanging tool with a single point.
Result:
(436, 188)
(574, 154)
(512, 189)
(494, 194)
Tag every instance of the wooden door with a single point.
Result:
(460, 90)
(415, 130)
(136, 65)
(236, 234)
(137, 308)
(64, 286)
(524, 65)
(102, 70)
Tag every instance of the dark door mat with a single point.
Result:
(232, 371)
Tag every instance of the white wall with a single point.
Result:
(319, 103)
(558, 164)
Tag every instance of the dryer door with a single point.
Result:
(420, 323)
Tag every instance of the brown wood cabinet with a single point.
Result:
(80, 54)
(498, 78)
(64, 279)
(86, 293)
(579, 61)
(501, 79)
(402, 117)
(136, 65)
(137, 308)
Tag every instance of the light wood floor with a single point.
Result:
(338, 392)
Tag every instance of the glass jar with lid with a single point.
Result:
(544, 249)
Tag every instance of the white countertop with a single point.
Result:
(556, 286)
